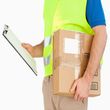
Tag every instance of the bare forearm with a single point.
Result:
(97, 49)
(39, 49)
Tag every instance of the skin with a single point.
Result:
(81, 86)
(35, 51)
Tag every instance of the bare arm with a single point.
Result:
(82, 85)
(97, 49)
(39, 49)
(35, 51)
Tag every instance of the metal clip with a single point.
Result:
(6, 27)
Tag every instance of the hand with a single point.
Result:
(29, 48)
(81, 89)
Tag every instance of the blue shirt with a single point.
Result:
(94, 13)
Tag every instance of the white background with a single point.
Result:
(20, 89)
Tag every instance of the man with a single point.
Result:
(70, 15)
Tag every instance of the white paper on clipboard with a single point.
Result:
(16, 44)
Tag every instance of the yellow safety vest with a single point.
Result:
(62, 14)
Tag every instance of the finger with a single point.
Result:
(83, 100)
(76, 96)
(74, 87)
(79, 98)
(25, 45)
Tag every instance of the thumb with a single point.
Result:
(25, 45)
(74, 86)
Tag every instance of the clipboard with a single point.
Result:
(16, 44)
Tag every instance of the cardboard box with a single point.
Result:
(71, 54)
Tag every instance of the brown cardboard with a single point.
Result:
(64, 80)
(71, 65)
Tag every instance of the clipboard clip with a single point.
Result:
(6, 27)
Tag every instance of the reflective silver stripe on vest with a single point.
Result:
(47, 60)
(47, 41)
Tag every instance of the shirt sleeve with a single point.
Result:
(94, 13)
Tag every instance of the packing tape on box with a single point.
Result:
(71, 46)
(76, 68)
(77, 71)
(67, 61)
